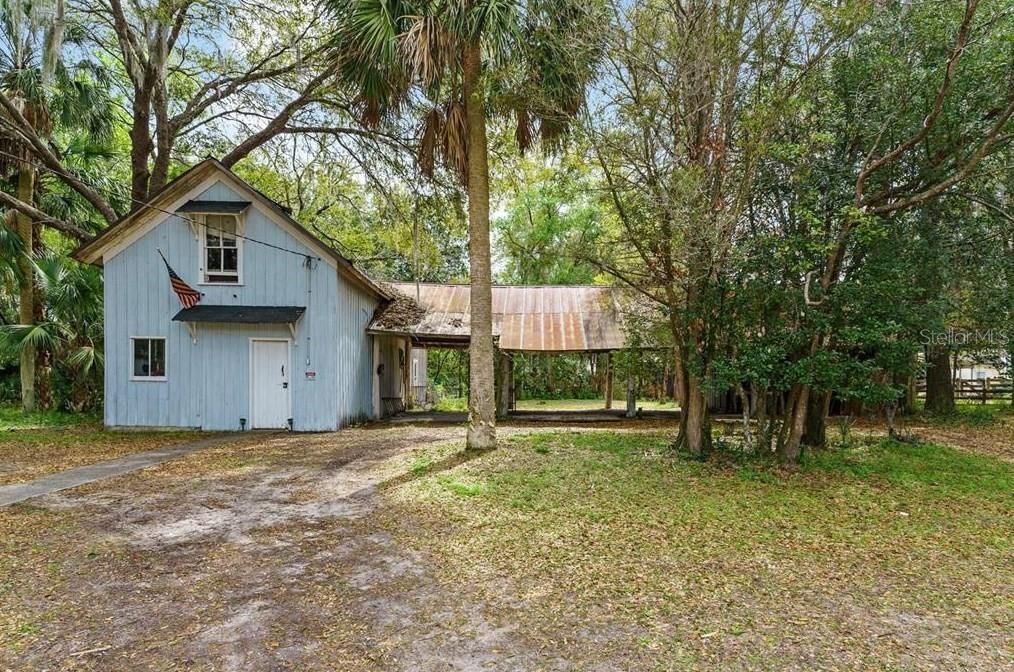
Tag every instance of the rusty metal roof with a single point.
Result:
(525, 318)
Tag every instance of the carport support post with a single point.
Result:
(512, 400)
(631, 396)
(609, 380)
(406, 376)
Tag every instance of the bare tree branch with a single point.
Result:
(48, 157)
(71, 230)
(938, 105)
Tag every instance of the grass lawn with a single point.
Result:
(453, 404)
(973, 414)
(42, 443)
(590, 405)
(602, 547)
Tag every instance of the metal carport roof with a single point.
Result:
(526, 318)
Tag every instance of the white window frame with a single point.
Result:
(202, 272)
(165, 351)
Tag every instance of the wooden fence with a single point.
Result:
(983, 390)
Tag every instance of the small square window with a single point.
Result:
(149, 358)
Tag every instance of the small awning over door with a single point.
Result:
(241, 314)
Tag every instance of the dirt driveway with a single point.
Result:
(253, 556)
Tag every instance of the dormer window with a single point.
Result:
(221, 250)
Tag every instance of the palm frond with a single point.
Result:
(11, 244)
(14, 338)
(455, 144)
(86, 358)
(523, 132)
(427, 47)
(364, 51)
(432, 129)
(497, 23)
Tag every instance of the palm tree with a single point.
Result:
(72, 331)
(46, 93)
(458, 64)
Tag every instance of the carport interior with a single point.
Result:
(528, 321)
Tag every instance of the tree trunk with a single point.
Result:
(815, 434)
(26, 287)
(907, 402)
(695, 422)
(790, 447)
(140, 147)
(744, 397)
(481, 405)
(43, 356)
(164, 133)
(939, 384)
(503, 387)
(764, 427)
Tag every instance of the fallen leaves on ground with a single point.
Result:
(28, 453)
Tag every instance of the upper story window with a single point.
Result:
(221, 249)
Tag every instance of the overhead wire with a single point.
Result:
(149, 206)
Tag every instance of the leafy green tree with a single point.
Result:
(686, 116)
(910, 122)
(552, 218)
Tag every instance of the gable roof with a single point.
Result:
(158, 206)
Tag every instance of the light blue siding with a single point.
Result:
(355, 354)
(208, 381)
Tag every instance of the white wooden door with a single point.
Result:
(269, 384)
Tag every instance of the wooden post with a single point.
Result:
(609, 381)
(631, 396)
(497, 379)
(406, 376)
(512, 393)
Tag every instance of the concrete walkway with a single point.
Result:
(11, 494)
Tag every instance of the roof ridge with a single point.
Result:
(495, 285)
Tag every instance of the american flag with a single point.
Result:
(188, 296)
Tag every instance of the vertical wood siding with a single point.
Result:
(207, 382)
